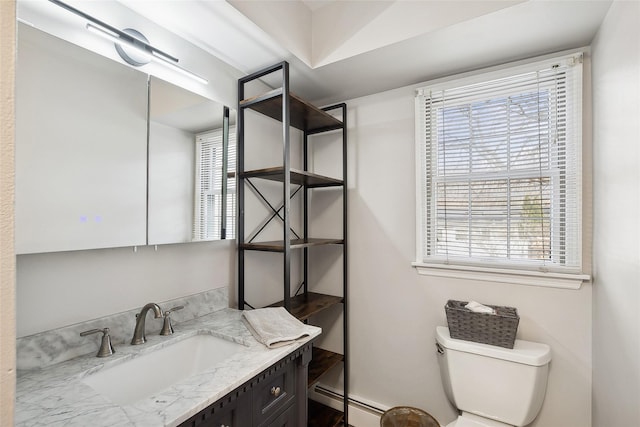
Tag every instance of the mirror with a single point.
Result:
(81, 156)
(190, 137)
(84, 179)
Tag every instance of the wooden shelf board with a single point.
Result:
(320, 415)
(278, 245)
(303, 115)
(304, 307)
(297, 177)
(322, 362)
(261, 98)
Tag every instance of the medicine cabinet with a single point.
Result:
(105, 155)
(190, 139)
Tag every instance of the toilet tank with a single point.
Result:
(506, 385)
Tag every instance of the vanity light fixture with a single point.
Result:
(128, 50)
(131, 45)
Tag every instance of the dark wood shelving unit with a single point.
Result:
(297, 177)
(304, 116)
(322, 362)
(304, 306)
(278, 245)
(283, 106)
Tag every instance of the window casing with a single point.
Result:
(499, 172)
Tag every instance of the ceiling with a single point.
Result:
(316, 4)
(339, 50)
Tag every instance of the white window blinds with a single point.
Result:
(207, 224)
(500, 179)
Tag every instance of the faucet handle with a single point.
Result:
(106, 348)
(167, 328)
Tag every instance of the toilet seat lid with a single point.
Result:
(525, 352)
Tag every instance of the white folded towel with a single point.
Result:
(476, 307)
(275, 326)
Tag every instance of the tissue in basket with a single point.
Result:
(495, 329)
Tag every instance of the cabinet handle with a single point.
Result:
(275, 391)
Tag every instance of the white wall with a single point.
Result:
(394, 311)
(63, 288)
(616, 291)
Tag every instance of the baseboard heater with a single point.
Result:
(355, 401)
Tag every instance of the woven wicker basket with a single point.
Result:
(495, 329)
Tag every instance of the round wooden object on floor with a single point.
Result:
(406, 416)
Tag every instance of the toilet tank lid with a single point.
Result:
(525, 352)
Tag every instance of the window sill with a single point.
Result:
(517, 277)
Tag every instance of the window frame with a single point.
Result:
(506, 272)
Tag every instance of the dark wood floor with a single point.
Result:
(323, 416)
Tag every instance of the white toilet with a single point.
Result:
(493, 386)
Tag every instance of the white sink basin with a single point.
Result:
(150, 373)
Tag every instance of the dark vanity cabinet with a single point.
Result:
(229, 411)
(277, 397)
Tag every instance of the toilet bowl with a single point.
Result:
(493, 386)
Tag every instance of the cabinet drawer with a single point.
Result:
(276, 391)
(286, 419)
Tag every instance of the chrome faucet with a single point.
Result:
(138, 334)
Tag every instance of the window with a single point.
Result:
(499, 178)
(207, 224)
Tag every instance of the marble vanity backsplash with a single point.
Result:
(55, 346)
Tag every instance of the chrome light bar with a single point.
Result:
(130, 39)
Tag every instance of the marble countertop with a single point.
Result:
(56, 396)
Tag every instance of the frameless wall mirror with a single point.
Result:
(191, 152)
(82, 167)
(81, 152)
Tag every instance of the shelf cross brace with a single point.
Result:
(276, 212)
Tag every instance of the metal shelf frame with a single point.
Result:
(292, 111)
